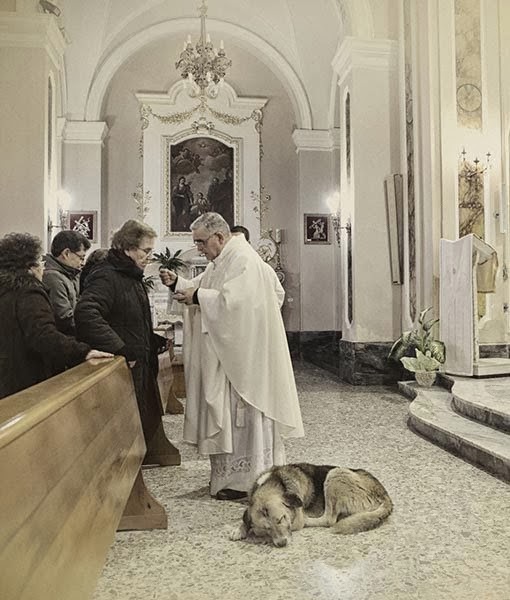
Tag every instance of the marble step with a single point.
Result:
(432, 415)
(486, 401)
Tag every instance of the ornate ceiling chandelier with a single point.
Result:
(204, 67)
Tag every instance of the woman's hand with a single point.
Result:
(167, 277)
(98, 354)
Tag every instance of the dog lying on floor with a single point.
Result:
(283, 497)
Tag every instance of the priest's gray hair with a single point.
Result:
(213, 222)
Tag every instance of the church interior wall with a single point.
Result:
(152, 69)
(24, 130)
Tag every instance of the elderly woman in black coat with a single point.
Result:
(31, 347)
(113, 314)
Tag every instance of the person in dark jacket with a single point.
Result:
(113, 314)
(92, 259)
(62, 276)
(31, 347)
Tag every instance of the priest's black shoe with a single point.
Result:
(228, 494)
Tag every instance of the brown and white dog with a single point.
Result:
(353, 501)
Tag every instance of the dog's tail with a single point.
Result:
(363, 521)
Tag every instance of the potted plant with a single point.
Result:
(430, 353)
(169, 261)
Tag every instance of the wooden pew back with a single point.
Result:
(70, 449)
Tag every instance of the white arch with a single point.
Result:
(267, 54)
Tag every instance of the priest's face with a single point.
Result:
(210, 245)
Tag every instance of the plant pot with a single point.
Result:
(425, 378)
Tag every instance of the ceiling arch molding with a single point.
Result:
(253, 43)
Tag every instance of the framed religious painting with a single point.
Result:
(317, 229)
(201, 177)
(84, 222)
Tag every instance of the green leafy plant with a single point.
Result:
(148, 282)
(422, 362)
(430, 352)
(169, 261)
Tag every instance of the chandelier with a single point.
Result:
(204, 67)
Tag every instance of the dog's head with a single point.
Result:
(270, 516)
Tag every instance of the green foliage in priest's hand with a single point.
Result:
(169, 261)
(422, 362)
(421, 339)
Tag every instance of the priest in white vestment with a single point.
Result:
(240, 388)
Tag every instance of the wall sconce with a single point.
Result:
(333, 203)
(63, 203)
(337, 226)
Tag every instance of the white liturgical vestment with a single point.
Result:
(236, 338)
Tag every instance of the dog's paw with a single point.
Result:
(237, 533)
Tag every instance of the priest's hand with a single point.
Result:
(167, 277)
(185, 296)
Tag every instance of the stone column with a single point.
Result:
(82, 167)
(31, 50)
(370, 151)
(317, 156)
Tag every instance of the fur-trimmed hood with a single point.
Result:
(17, 280)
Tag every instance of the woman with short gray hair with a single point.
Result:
(113, 313)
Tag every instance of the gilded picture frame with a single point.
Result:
(201, 176)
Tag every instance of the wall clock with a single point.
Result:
(469, 97)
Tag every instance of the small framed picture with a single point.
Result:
(317, 229)
(85, 222)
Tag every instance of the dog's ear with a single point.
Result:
(247, 520)
(292, 501)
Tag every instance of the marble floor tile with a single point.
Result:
(448, 538)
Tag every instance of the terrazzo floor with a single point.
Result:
(447, 539)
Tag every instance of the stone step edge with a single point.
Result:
(455, 442)
(482, 414)
(461, 405)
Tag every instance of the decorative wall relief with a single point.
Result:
(411, 202)
(142, 201)
(468, 63)
(269, 244)
(471, 198)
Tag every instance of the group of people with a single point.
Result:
(241, 396)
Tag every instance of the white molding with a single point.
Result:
(359, 18)
(316, 140)
(85, 132)
(251, 42)
(171, 98)
(34, 31)
(354, 53)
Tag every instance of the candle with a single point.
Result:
(222, 46)
(278, 235)
(189, 39)
(208, 39)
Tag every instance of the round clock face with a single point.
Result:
(266, 249)
(469, 97)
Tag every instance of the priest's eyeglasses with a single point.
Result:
(203, 242)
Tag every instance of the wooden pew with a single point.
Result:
(70, 451)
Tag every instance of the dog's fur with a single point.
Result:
(283, 497)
